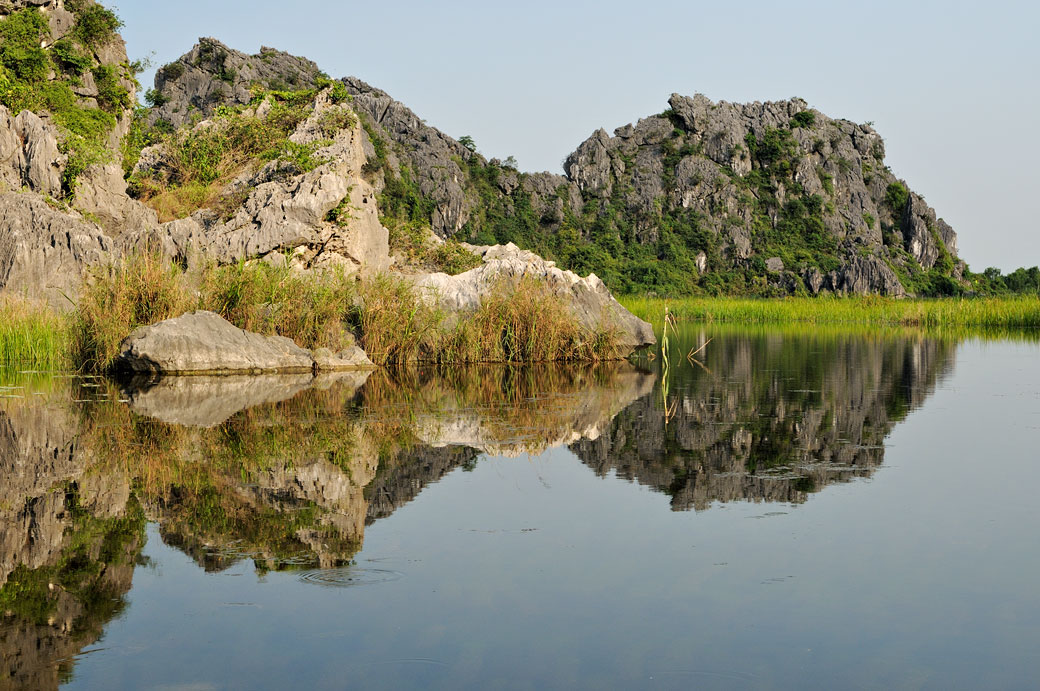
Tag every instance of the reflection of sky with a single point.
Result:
(535, 573)
(944, 82)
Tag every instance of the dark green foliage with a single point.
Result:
(173, 71)
(70, 57)
(896, 197)
(805, 119)
(112, 96)
(20, 52)
(96, 26)
(154, 98)
(1021, 281)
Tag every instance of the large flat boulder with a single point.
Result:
(588, 299)
(205, 343)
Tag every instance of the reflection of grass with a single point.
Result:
(194, 478)
(530, 406)
(983, 313)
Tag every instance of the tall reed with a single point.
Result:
(32, 335)
(1003, 313)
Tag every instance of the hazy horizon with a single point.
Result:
(942, 82)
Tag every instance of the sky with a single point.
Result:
(953, 87)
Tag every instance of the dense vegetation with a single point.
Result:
(40, 75)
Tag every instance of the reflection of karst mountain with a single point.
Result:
(69, 539)
(771, 418)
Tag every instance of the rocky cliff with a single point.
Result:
(769, 198)
(765, 198)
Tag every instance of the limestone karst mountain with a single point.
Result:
(768, 198)
(763, 197)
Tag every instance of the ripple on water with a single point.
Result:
(349, 576)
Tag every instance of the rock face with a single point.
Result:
(587, 298)
(285, 211)
(728, 184)
(43, 251)
(187, 89)
(204, 343)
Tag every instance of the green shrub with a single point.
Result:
(70, 57)
(20, 51)
(112, 95)
(96, 26)
(896, 197)
(172, 71)
(805, 119)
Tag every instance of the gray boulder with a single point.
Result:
(205, 343)
(352, 358)
(588, 298)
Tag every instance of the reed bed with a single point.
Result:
(33, 336)
(522, 323)
(395, 324)
(1003, 313)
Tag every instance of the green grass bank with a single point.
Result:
(1019, 312)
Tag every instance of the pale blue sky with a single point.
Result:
(953, 87)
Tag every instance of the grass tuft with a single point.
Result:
(32, 336)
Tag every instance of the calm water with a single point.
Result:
(795, 510)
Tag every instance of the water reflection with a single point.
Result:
(771, 416)
(288, 471)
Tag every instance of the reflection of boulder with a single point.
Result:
(207, 401)
(775, 419)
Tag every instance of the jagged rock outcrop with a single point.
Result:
(729, 184)
(29, 153)
(186, 88)
(506, 265)
(44, 251)
(284, 210)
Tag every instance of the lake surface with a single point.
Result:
(795, 509)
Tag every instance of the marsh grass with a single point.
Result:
(525, 323)
(522, 323)
(32, 336)
(308, 308)
(966, 313)
(143, 290)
